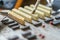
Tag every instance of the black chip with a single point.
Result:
(8, 22)
(57, 22)
(32, 37)
(26, 34)
(37, 24)
(26, 28)
(57, 17)
(4, 21)
(16, 27)
(14, 24)
(48, 20)
(14, 38)
(56, 13)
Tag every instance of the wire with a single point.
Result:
(36, 5)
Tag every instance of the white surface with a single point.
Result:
(50, 32)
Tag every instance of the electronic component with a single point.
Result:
(47, 12)
(55, 13)
(13, 24)
(26, 28)
(37, 24)
(4, 21)
(26, 34)
(16, 17)
(40, 14)
(57, 22)
(16, 27)
(28, 18)
(32, 37)
(14, 38)
(57, 17)
(34, 16)
(7, 22)
(48, 20)
(45, 7)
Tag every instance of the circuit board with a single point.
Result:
(43, 29)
